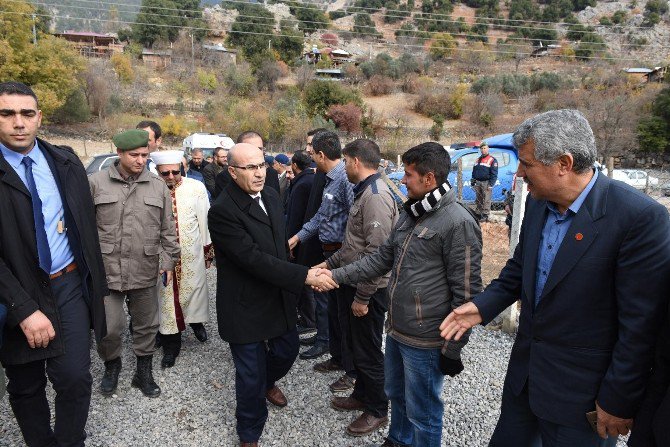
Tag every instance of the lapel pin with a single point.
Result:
(579, 236)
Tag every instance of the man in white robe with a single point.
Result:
(185, 301)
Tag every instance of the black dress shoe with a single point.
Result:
(168, 360)
(308, 341)
(199, 331)
(315, 351)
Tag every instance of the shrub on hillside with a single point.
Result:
(337, 14)
(546, 81)
(123, 67)
(320, 95)
(513, 85)
(239, 80)
(379, 85)
(409, 84)
(652, 134)
(174, 126)
(485, 108)
(347, 117)
(447, 102)
(75, 109)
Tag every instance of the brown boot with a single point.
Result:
(366, 424)
(248, 444)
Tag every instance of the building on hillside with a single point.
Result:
(329, 74)
(637, 74)
(216, 55)
(157, 59)
(93, 44)
(658, 74)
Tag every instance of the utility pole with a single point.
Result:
(192, 53)
(34, 30)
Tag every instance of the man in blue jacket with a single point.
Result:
(591, 269)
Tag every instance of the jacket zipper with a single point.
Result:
(405, 245)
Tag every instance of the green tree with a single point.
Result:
(320, 95)
(364, 26)
(289, 43)
(310, 18)
(251, 33)
(50, 67)
(653, 135)
(443, 46)
(155, 21)
(619, 17)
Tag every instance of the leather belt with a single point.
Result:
(68, 268)
(333, 246)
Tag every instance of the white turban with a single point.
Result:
(167, 157)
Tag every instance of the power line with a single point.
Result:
(464, 35)
(429, 17)
(377, 44)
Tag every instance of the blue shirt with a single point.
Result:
(330, 221)
(52, 205)
(555, 228)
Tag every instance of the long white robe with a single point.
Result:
(190, 206)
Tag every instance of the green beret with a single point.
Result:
(131, 139)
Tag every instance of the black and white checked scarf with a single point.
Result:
(417, 208)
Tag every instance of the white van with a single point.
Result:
(207, 142)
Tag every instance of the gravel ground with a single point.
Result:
(197, 404)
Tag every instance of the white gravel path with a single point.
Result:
(197, 404)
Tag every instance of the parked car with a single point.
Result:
(103, 161)
(500, 147)
(635, 178)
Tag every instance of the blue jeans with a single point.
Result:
(519, 427)
(414, 385)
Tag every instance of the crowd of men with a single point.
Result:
(317, 243)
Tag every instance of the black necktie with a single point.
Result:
(43, 251)
(258, 201)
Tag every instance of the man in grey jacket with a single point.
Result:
(434, 255)
(371, 219)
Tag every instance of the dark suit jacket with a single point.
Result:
(310, 253)
(272, 178)
(256, 285)
(650, 428)
(220, 182)
(24, 287)
(591, 336)
(298, 197)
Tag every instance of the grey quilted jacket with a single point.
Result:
(435, 265)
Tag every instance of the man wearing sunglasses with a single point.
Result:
(185, 301)
(133, 211)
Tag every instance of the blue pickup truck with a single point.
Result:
(500, 147)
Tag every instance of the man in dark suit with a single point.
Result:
(296, 205)
(271, 176)
(52, 279)
(651, 421)
(256, 288)
(592, 269)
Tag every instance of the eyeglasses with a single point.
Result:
(166, 173)
(257, 167)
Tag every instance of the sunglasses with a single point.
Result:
(166, 173)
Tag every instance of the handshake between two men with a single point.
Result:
(320, 278)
